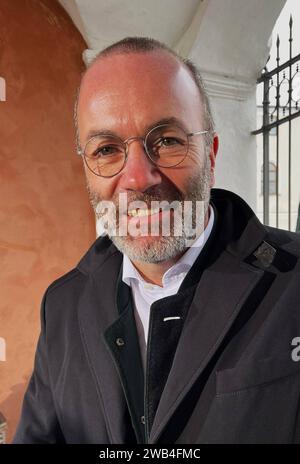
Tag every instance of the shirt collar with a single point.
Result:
(183, 265)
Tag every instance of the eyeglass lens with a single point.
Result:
(166, 146)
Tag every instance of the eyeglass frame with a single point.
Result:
(81, 152)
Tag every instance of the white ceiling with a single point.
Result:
(102, 22)
(224, 37)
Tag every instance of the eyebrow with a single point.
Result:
(168, 120)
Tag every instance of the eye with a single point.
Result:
(105, 151)
(167, 142)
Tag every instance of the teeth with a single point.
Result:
(143, 212)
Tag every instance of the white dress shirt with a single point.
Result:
(145, 293)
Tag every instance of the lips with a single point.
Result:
(147, 216)
(142, 212)
(135, 214)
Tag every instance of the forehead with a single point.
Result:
(136, 86)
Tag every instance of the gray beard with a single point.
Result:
(164, 248)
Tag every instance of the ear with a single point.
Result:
(212, 155)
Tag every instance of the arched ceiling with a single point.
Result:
(103, 22)
(226, 38)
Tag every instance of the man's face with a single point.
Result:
(127, 95)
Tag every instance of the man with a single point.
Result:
(165, 337)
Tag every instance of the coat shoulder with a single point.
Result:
(69, 278)
(61, 296)
(94, 257)
(284, 239)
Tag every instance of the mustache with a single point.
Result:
(153, 194)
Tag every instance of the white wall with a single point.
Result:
(231, 48)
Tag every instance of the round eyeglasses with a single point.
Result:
(166, 145)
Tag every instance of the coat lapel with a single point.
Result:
(221, 293)
(97, 310)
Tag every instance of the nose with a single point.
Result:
(139, 172)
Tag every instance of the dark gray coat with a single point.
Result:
(225, 374)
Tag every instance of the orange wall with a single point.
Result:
(46, 222)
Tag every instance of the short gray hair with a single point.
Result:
(145, 45)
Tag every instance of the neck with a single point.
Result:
(153, 272)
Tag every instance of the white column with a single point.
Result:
(231, 48)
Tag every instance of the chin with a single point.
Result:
(150, 249)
